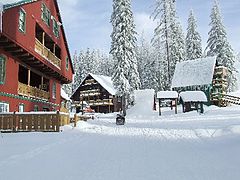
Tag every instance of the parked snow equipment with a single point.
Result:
(120, 120)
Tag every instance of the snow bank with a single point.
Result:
(193, 96)
(236, 94)
(144, 101)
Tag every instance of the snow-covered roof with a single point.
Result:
(105, 82)
(13, 3)
(194, 72)
(167, 95)
(193, 96)
(64, 95)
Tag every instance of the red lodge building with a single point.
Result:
(34, 56)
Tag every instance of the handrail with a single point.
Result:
(46, 53)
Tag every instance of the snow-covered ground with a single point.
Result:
(172, 147)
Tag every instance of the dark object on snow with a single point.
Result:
(120, 120)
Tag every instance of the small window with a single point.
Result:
(2, 69)
(46, 14)
(21, 108)
(4, 107)
(35, 108)
(54, 90)
(67, 63)
(22, 21)
(55, 28)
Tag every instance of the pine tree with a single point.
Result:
(146, 65)
(168, 41)
(125, 77)
(193, 39)
(219, 46)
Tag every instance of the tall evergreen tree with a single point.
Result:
(193, 39)
(125, 77)
(219, 46)
(168, 41)
(146, 65)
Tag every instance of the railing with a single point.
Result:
(33, 121)
(231, 99)
(100, 102)
(30, 91)
(92, 92)
(46, 53)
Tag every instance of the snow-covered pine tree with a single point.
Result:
(219, 46)
(161, 42)
(146, 65)
(168, 41)
(193, 39)
(125, 77)
(177, 43)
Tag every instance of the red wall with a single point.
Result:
(11, 87)
(27, 40)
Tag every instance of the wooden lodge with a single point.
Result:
(98, 92)
(34, 56)
(203, 74)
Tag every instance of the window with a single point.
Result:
(54, 90)
(67, 63)
(55, 28)
(4, 107)
(46, 14)
(22, 21)
(2, 69)
(35, 108)
(21, 108)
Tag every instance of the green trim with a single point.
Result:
(54, 90)
(2, 69)
(67, 63)
(22, 22)
(35, 108)
(46, 14)
(27, 98)
(55, 28)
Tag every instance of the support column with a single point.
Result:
(43, 42)
(29, 77)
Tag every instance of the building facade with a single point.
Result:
(34, 56)
(98, 92)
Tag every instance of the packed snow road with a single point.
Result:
(173, 147)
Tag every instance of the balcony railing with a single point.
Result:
(100, 102)
(47, 54)
(92, 92)
(30, 91)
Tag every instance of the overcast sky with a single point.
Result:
(87, 22)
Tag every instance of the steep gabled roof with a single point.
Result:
(105, 82)
(194, 72)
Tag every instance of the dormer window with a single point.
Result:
(46, 14)
(22, 21)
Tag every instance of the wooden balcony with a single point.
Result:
(34, 92)
(47, 54)
(99, 102)
(92, 92)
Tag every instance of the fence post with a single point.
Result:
(58, 121)
(75, 120)
(14, 123)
